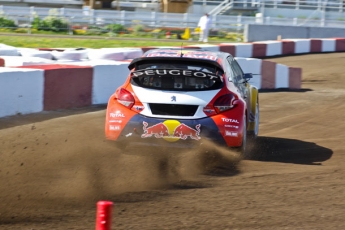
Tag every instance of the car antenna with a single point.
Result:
(181, 50)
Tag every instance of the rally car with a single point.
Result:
(180, 97)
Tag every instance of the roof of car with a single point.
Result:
(199, 55)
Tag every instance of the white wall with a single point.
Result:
(21, 91)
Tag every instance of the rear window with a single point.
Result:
(178, 77)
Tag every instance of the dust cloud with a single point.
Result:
(63, 162)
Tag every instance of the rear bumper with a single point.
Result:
(147, 131)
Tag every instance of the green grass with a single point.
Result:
(49, 41)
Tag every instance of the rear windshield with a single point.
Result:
(177, 76)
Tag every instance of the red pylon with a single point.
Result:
(103, 215)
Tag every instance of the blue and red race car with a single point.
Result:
(179, 98)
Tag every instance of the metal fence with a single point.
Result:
(25, 15)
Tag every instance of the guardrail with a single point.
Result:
(25, 15)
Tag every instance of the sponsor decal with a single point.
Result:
(158, 130)
(184, 131)
(114, 127)
(116, 115)
(139, 108)
(201, 55)
(171, 130)
(163, 54)
(173, 98)
(185, 53)
(175, 72)
(115, 121)
(231, 133)
(231, 126)
(229, 120)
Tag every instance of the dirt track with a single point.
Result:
(54, 168)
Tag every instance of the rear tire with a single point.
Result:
(252, 136)
(243, 150)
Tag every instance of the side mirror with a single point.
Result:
(248, 76)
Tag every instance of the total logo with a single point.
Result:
(229, 120)
(116, 115)
(171, 130)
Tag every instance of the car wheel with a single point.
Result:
(242, 150)
(251, 137)
(257, 119)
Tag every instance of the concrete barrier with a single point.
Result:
(228, 48)
(237, 49)
(244, 50)
(6, 50)
(288, 47)
(315, 46)
(301, 45)
(66, 86)
(257, 32)
(259, 50)
(253, 66)
(29, 52)
(281, 76)
(295, 78)
(273, 48)
(268, 75)
(340, 44)
(13, 61)
(21, 91)
(107, 77)
(82, 83)
(2, 62)
(328, 45)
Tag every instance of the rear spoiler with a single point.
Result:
(143, 60)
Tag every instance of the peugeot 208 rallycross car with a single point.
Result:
(182, 97)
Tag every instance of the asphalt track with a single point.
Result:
(55, 166)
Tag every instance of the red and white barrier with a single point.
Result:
(65, 86)
(328, 45)
(237, 49)
(79, 81)
(268, 48)
(107, 76)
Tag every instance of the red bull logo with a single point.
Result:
(158, 130)
(183, 131)
(171, 130)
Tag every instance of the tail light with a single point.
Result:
(224, 102)
(125, 98)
